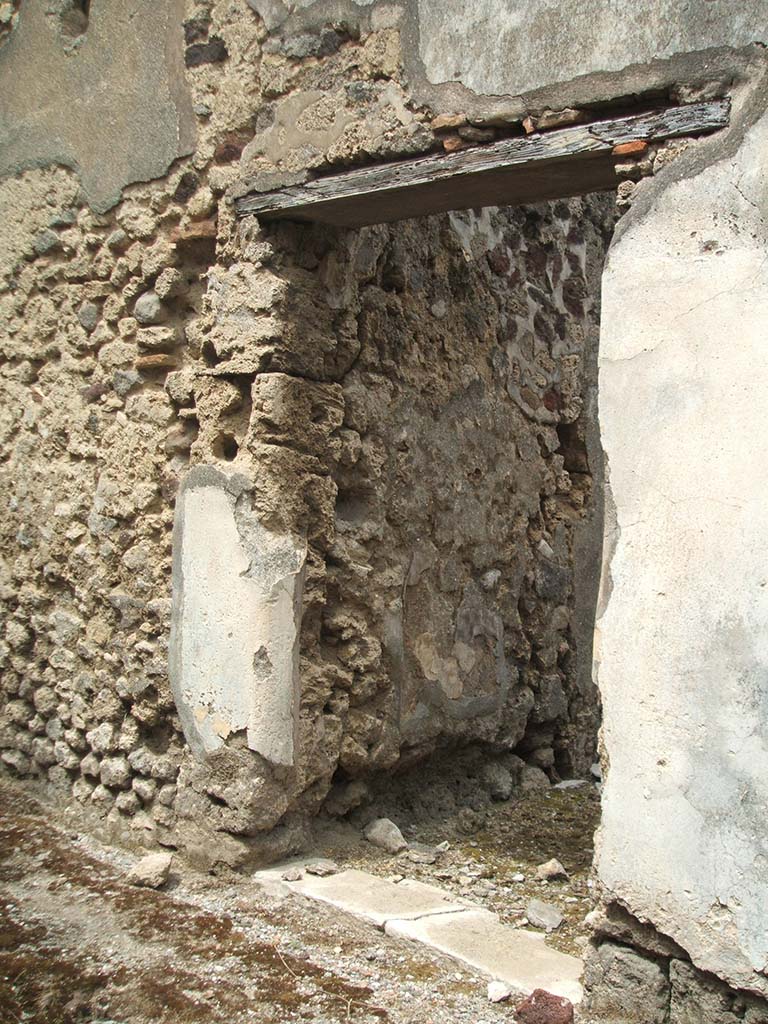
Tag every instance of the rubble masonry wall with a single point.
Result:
(144, 333)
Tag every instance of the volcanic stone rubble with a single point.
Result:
(128, 356)
(415, 402)
(412, 411)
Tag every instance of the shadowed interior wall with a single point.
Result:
(416, 401)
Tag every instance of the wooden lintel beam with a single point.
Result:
(551, 165)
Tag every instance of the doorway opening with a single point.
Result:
(453, 642)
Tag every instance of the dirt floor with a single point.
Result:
(78, 944)
(485, 866)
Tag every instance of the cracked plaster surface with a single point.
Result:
(234, 641)
(680, 652)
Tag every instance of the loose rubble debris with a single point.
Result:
(498, 992)
(543, 915)
(322, 868)
(552, 871)
(86, 946)
(501, 782)
(493, 867)
(543, 1008)
(152, 871)
(419, 853)
(533, 778)
(386, 835)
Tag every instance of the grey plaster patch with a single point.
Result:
(680, 656)
(374, 899)
(236, 616)
(115, 106)
(494, 46)
(478, 938)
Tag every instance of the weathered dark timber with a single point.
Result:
(568, 162)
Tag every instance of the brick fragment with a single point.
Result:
(635, 148)
(453, 143)
(198, 231)
(542, 1007)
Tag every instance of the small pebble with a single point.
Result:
(498, 992)
(418, 853)
(321, 868)
(151, 871)
(544, 915)
(386, 835)
(551, 871)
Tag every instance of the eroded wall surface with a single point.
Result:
(378, 447)
(680, 646)
(398, 426)
(414, 401)
(95, 314)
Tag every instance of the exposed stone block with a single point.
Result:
(697, 997)
(212, 52)
(625, 987)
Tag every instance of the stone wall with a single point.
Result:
(96, 305)
(419, 443)
(384, 442)
(638, 975)
(394, 432)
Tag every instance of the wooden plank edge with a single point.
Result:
(541, 149)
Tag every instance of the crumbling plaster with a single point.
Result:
(680, 655)
(498, 61)
(112, 103)
(234, 643)
(118, 372)
(328, 99)
(497, 47)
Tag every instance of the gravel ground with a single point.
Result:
(78, 944)
(495, 865)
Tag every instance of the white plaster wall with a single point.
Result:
(498, 46)
(234, 642)
(682, 633)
